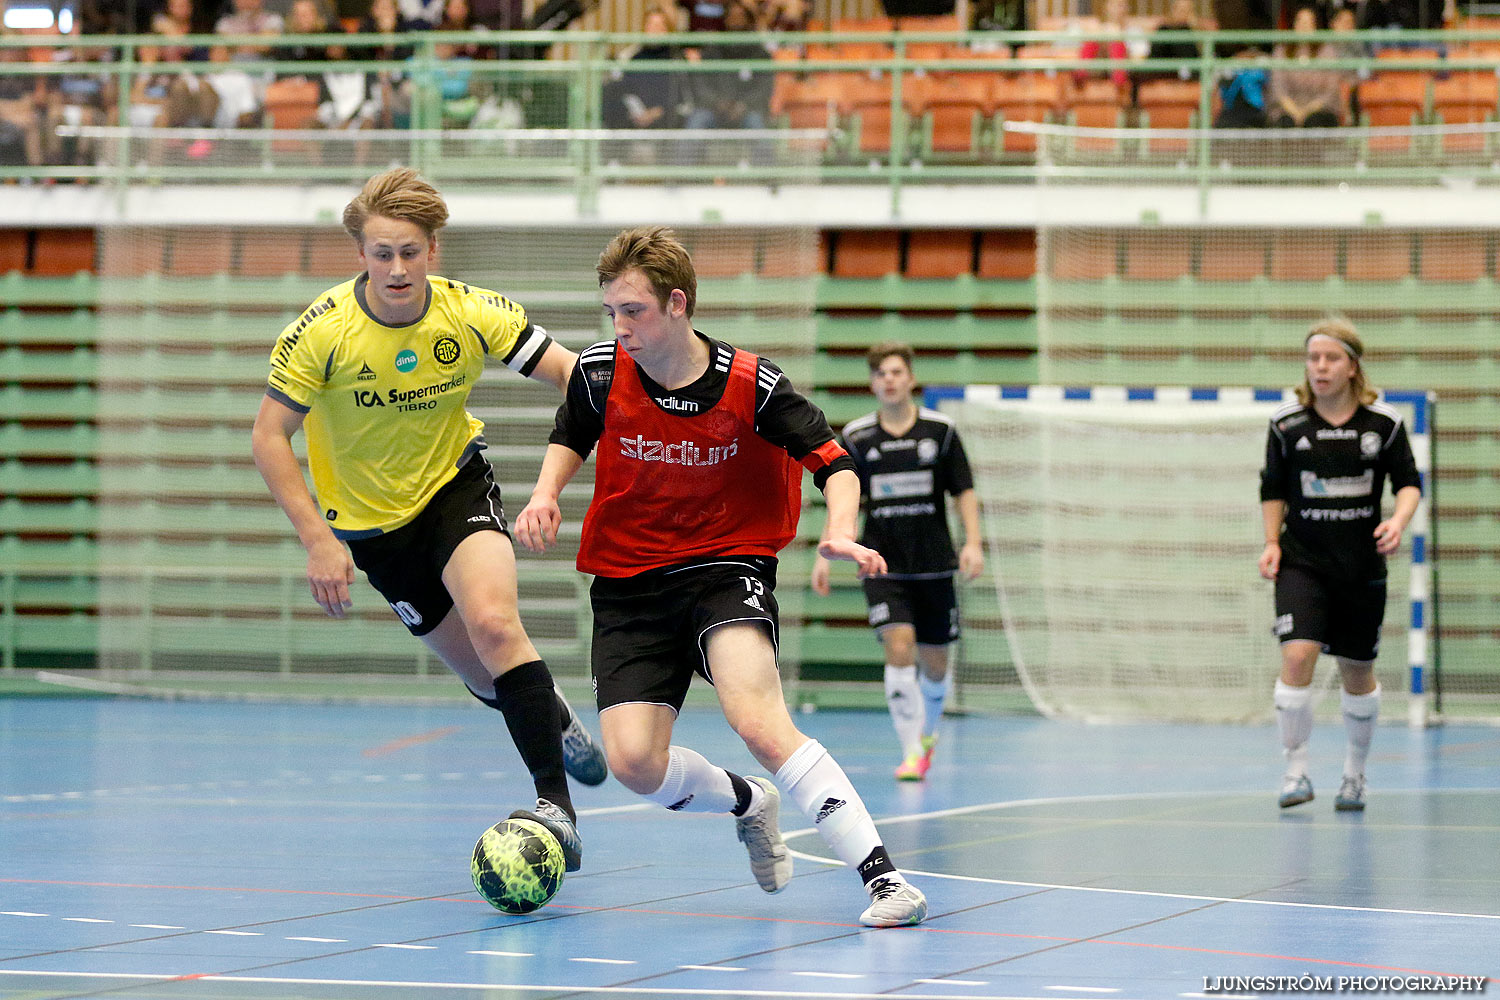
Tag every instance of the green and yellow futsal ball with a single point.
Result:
(517, 866)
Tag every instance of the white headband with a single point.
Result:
(1348, 349)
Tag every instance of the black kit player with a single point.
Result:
(379, 370)
(700, 451)
(1327, 459)
(909, 460)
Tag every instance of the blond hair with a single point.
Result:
(1343, 331)
(398, 193)
(659, 255)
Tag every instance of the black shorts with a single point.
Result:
(650, 630)
(406, 565)
(929, 606)
(1343, 617)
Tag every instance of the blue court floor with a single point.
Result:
(280, 851)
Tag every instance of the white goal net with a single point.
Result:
(1123, 529)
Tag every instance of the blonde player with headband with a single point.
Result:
(1328, 456)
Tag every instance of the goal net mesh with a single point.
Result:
(1122, 541)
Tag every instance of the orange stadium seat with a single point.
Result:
(1169, 103)
(724, 255)
(292, 103)
(867, 101)
(1087, 259)
(131, 252)
(199, 253)
(939, 253)
(1452, 257)
(1297, 256)
(1095, 104)
(1025, 97)
(812, 103)
(331, 253)
(1158, 255)
(13, 249)
(1392, 98)
(867, 253)
(954, 108)
(1377, 256)
(1007, 254)
(60, 252)
(269, 253)
(1463, 97)
(799, 261)
(1235, 256)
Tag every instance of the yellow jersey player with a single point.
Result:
(377, 372)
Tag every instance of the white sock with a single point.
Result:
(934, 695)
(1294, 714)
(813, 779)
(904, 698)
(1360, 713)
(694, 785)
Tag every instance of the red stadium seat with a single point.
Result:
(867, 253)
(1378, 256)
(939, 253)
(1007, 254)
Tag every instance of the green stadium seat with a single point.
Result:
(19, 364)
(76, 290)
(57, 404)
(65, 517)
(47, 441)
(74, 327)
(50, 479)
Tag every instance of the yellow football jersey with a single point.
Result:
(386, 424)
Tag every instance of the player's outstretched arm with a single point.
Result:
(537, 524)
(555, 366)
(330, 570)
(841, 491)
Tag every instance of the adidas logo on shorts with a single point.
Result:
(830, 806)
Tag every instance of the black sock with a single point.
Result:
(525, 697)
(741, 793)
(877, 864)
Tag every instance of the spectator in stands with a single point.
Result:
(180, 17)
(646, 98)
(783, 15)
(1183, 16)
(457, 16)
(1116, 12)
(704, 15)
(350, 98)
(731, 99)
(248, 18)
(1242, 93)
(422, 14)
(21, 97)
(172, 100)
(305, 17)
(77, 100)
(394, 86)
(1305, 96)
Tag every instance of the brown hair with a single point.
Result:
(658, 254)
(876, 355)
(399, 193)
(1343, 331)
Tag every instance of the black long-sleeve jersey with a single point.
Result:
(783, 416)
(1331, 480)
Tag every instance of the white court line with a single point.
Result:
(159, 927)
(1084, 989)
(237, 933)
(1127, 797)
(318, 940)
(605, 961)
(87, 920)
(408, 947)
(713, 968)
(505, 954)
(528, 987)
(956, 982)
(22, 913)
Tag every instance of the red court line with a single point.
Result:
(410, 741)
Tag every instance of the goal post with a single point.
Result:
(1122, 529)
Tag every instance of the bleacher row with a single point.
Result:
(78, 464)
(954, 99)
